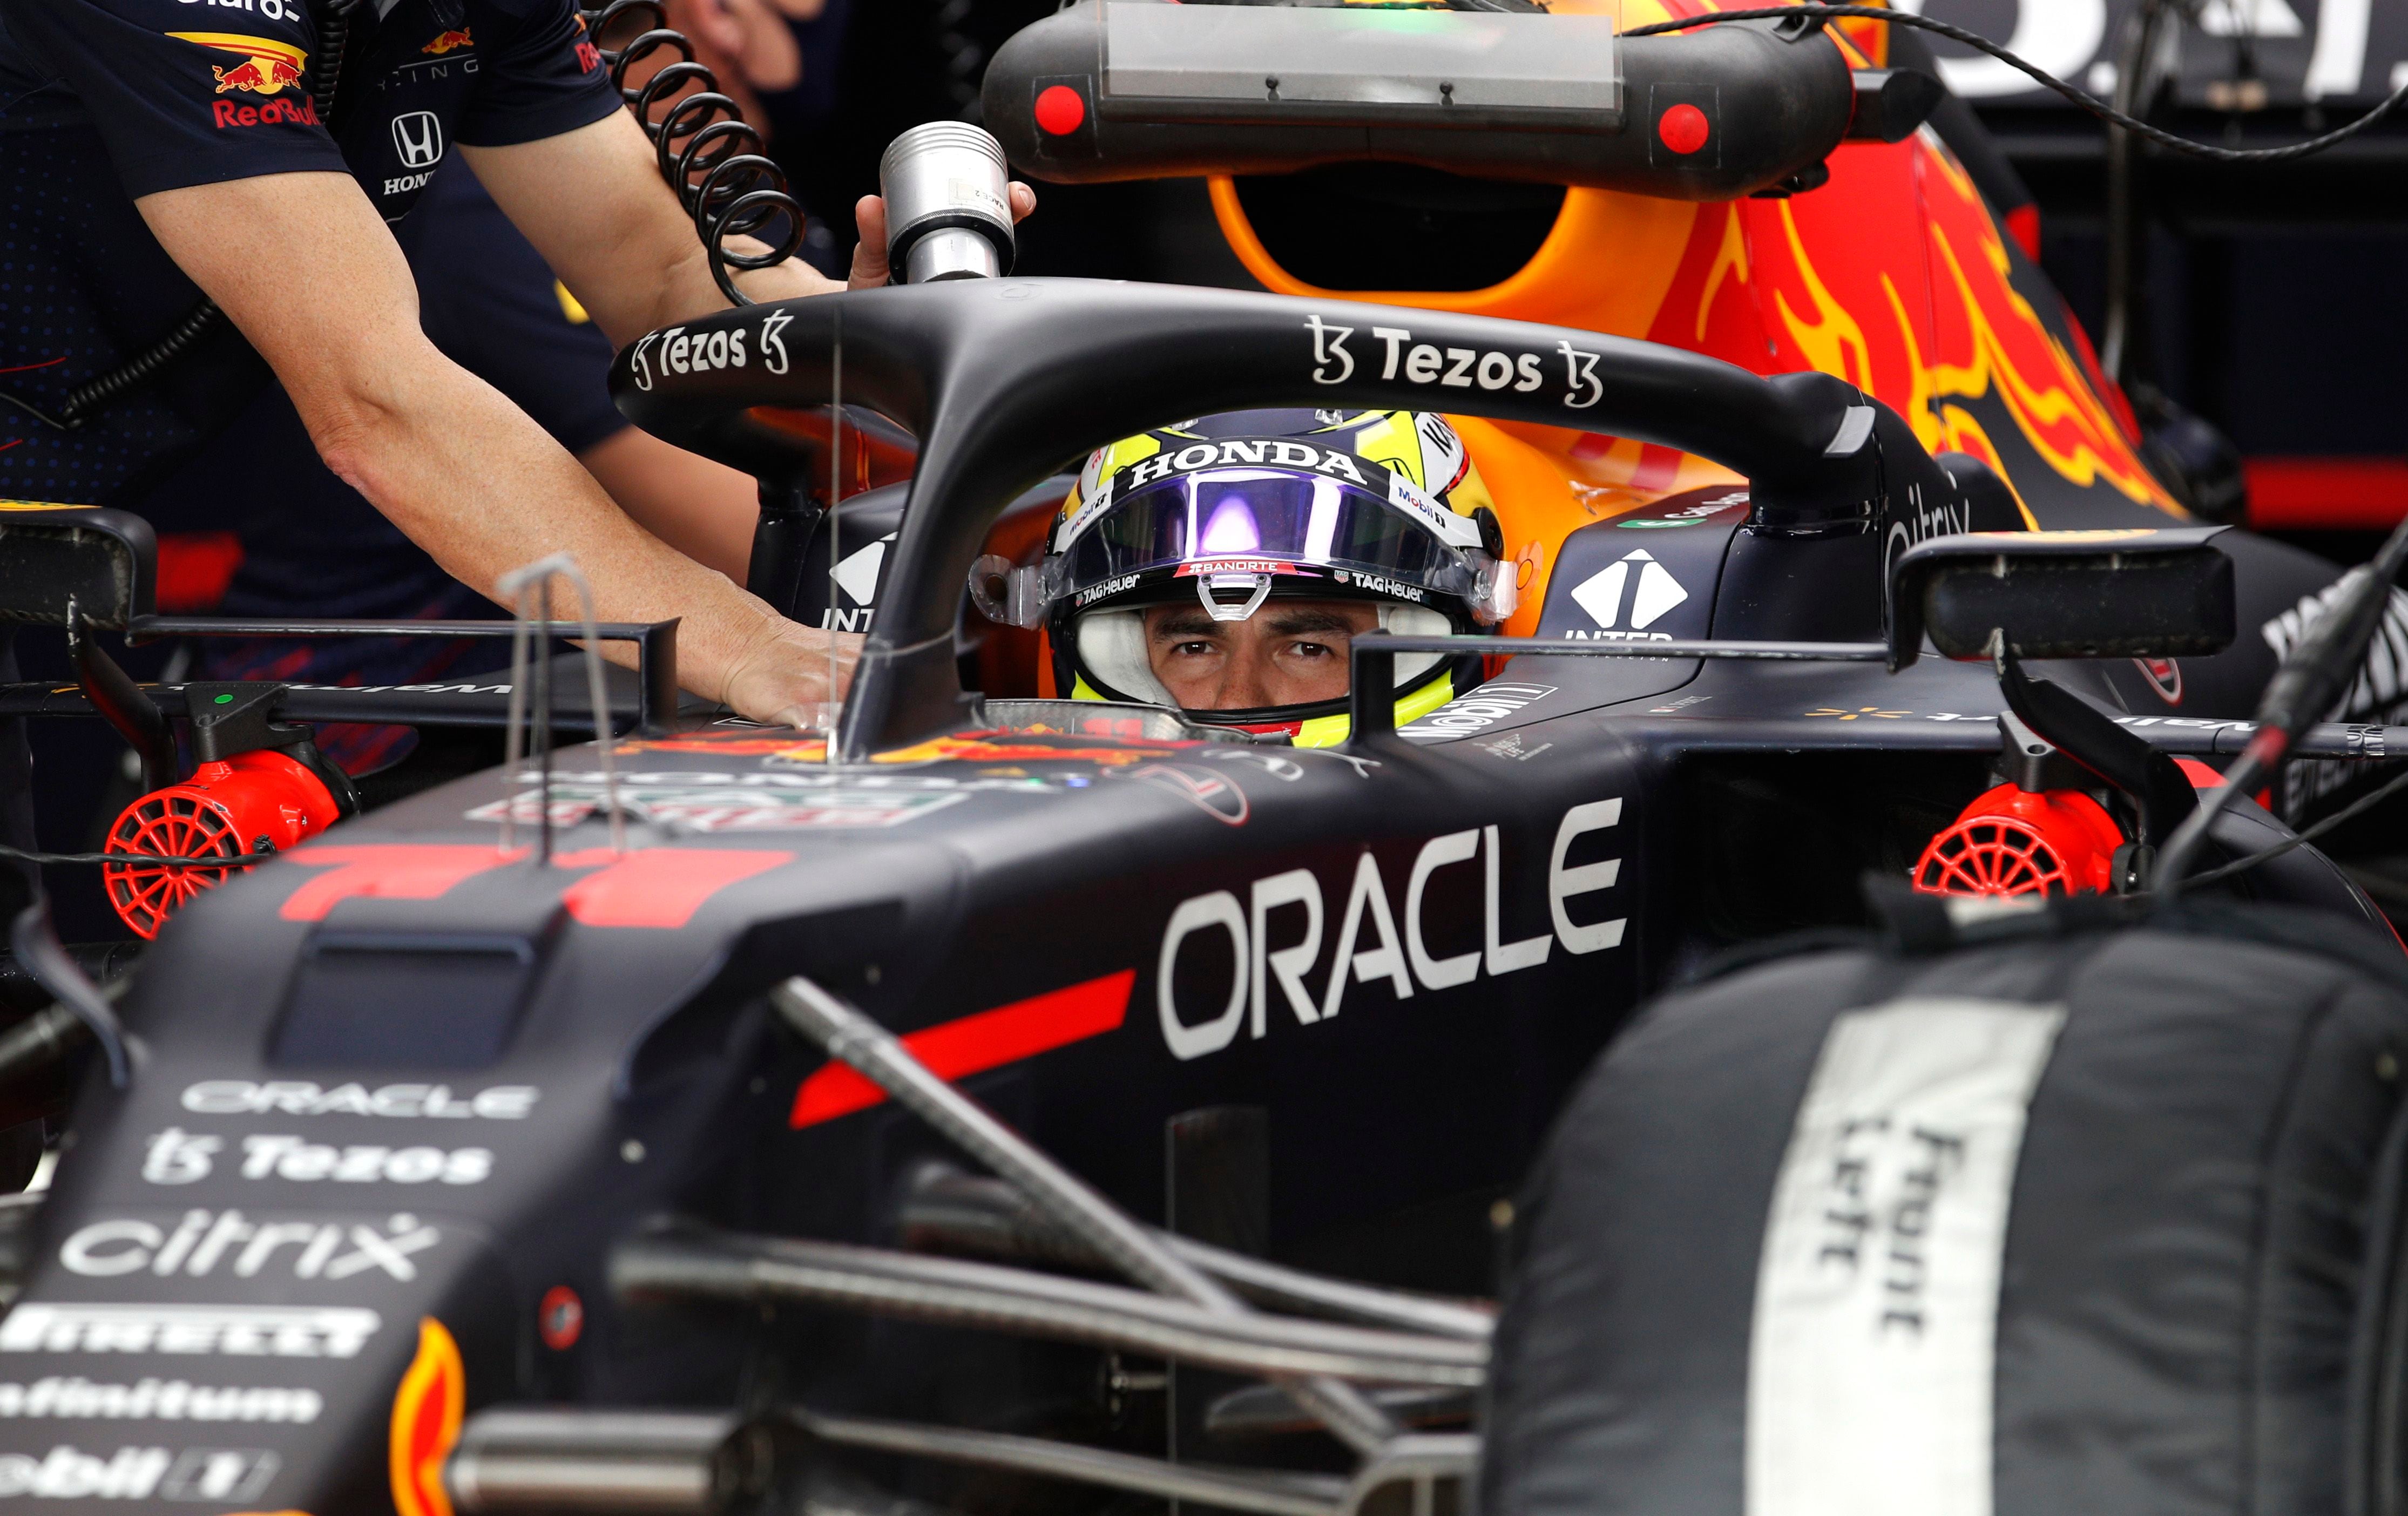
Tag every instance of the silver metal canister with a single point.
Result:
(948, 211)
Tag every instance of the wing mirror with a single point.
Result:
(2131, 592)
(102, 563)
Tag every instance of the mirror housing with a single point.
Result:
(2124, 593)
(104, 562)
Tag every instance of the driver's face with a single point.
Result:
(1291, 652)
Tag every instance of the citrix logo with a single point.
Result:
(1403, 958)
(202, 1240)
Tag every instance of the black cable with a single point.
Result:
(2310, 681)
(204, 318)
(962, 54)
(2046, 81)
(2356, 808)
(231, 860)
(41, 955)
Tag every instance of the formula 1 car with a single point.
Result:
(583, 1136)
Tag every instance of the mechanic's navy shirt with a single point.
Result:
(103, 101)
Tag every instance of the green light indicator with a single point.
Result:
(225, 700)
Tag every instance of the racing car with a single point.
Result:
(597, 1133)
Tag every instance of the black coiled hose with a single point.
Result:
(709, 154)
(204, 318)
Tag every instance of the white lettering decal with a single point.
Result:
(1328, 347)
(1439, 851)
(1296, 887)
(1563, 883)
(79, 1399)
(327, 1250)
(301, 1097)
(1383, 961)
(233, 1331)
(176, 1156)
(1219, 909)
(1580, 369)
(66, 1474)
(771, 341)
(1507, 957)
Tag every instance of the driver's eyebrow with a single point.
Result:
(1297, 623)
(1185, 624)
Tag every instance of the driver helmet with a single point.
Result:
(1236, 513)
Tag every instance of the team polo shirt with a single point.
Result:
(104, 101)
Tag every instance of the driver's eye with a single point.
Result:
(1193, 650)
(1312, 649)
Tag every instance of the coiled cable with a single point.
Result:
(709, 154)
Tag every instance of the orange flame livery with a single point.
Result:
(426, 1412)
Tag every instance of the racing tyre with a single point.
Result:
(2082, 1220)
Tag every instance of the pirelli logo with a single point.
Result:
(237, 1330)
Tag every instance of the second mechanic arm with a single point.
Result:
(466, 475)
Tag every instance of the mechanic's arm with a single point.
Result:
(594, 204)
(704, 509)
(465, 473)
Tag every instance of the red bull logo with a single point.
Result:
(266, 67)
(451, 41)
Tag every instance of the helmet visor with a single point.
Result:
(1249, 521)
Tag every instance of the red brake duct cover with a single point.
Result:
(2011, 841)
(251, 802)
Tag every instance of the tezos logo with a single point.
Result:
(176, 1156)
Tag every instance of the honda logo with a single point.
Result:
(418, 138)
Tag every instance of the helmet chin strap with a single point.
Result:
(1221, 610)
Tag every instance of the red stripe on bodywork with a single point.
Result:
(387, 870)
(659, 887)
(2364, 495)
(986, 1039)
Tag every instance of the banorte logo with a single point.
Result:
(426, 1411)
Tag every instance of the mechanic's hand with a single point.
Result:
(869, 268)
(783, 677)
